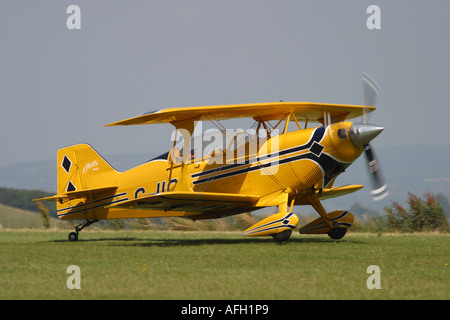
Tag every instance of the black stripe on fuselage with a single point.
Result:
(317, 136)
(327, 163)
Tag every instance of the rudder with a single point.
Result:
(80, 167)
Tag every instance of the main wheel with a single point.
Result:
(282, 236)
(73, 236)
(337, 233)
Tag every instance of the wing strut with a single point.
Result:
(186, 129)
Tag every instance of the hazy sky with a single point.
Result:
(60, 86)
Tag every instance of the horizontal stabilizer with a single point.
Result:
(87, 193)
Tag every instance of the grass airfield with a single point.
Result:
(221, 265)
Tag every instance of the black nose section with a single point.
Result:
(362, 133)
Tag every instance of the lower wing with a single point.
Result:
(301, 199)
(209, 204)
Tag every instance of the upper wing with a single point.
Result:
(196, 202)
(312, 112)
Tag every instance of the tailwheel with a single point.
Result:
(282, 236)
(73, 236)
(337, 233)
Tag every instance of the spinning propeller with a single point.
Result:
(362, 133)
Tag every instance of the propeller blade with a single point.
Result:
(379, 184)
(370, 93)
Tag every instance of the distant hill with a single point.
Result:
(23, 199)
(17, 218)
(417, 168)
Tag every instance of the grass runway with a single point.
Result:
(221, 265)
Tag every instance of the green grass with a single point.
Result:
(221, 265)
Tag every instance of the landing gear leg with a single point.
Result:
(284, 236)
(73, 236)
(315, 202)
(335, 232)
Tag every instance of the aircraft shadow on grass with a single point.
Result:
(166, 242)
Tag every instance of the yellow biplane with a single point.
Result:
(236, 172)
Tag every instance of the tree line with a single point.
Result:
(23, 199)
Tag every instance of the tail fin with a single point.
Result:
(86, 184)
(80, 167)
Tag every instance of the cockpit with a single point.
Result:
(215, 145)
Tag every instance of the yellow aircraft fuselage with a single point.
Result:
(302, 160)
